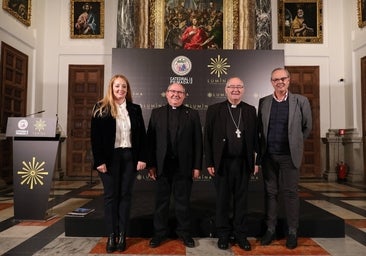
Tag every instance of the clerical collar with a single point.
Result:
(174, 107)
(233, 105)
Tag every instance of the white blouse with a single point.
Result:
(123, 128)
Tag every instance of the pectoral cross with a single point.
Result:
(238, 133)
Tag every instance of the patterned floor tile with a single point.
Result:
(328, 187)
(68, 205)
(19, 231)
(60, 192)
(357, 203)
(306, 246)
(140, 246)
(357, 223)
(68, 184)
(6, 213)
(306, 195)
(46, 223)
(5, 205)
(13, 238)
(99, 185)
(342, 246)
(336, 210)
(91, 193)
(7, 243)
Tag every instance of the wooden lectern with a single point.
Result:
(34, 155)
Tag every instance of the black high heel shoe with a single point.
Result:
(111, 243)
(121, 244)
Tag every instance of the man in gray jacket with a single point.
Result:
(284, 122)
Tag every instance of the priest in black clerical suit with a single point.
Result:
(230, 144)
(175, 157)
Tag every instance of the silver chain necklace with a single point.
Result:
(238, 132)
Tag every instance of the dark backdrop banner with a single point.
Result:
(204, 74)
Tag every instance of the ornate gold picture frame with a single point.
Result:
(361, 6)
(300, 21)
(234, 36)
(20, 9)
(87, 19)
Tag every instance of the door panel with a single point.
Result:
(363, 104)
(85, 89)
(13, 101)
(305, 81)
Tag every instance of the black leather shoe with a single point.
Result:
(156, 241)
(111, 243)
(291, 242)
(244, 244)
(121, 244)
(188, 241)
(223, 243)
(267, 238)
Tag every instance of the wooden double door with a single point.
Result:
(86, 83)
(13, 102)
(305, 81)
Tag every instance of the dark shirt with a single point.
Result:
(234, 144)
(278, 128)
(173, 125)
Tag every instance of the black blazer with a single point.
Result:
(103, 136)
(215, 134)
(189, 140)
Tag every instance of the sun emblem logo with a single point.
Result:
(218, 66)
(40, 125)
(32, 173)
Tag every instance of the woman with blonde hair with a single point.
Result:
(118, 137)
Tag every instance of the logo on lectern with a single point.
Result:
(32, 173)
(40, 125)
(218, 66)
(22, 124)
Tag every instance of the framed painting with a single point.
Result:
(219, 19)
(87, 19)
(361, 5)
(300, 21)
(20, 9)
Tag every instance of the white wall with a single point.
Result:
(50, 51)
(332, 57)
(24, 39)
(357, 40)
(62, 51)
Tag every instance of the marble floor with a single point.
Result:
(347, 201)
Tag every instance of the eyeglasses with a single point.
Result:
(235, 87)
(277, 80)
(177, 92)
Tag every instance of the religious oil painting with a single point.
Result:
(361, 5)
(20, 9)
(193, 24)
(300, 21)
(87, 19)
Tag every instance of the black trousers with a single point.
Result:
(231, 184)
(118, 184)
(172, 183)
(281, 177)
